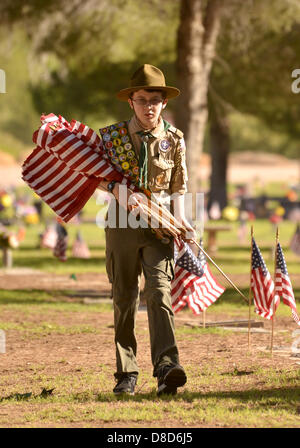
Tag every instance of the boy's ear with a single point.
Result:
(165, 102)
(130, 103)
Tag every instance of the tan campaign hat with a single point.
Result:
(147, 77)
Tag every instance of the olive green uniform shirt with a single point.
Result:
(167, 170)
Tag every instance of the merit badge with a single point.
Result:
(111, 152)
(122, 157)
(128, 146)
(125, 165)
(112, 127)
(164, 145)
(103, 131)
(108, 145)
(106, 137)
(125, 139)
(120, 149)
(117, 142)
(133, 162)
(115, 134)
(135, 170)
(121, 124)
(123, 131)
(130, 154)
(115, 160)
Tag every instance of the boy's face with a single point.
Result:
(147, 107)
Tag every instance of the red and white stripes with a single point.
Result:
(67, 165)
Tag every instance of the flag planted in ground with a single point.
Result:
(60, 249)
(193, 283)
(262, 285)
(49, 237)
(283, 285)
(295, 241)
(80, 248)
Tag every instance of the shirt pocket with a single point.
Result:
(162, 172)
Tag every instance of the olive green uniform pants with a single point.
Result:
(129, 252)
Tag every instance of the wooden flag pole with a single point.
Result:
(250, 291)
(273, 313)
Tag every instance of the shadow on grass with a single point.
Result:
(259, 397)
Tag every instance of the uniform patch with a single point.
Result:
(164, 145)
(130, 154)
(181, 143)
(125, 139)
(125, 165)
(117, 142)
(106, 137)
(108, 145)
(115, 134)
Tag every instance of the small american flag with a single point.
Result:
(49, 237)
(295, 242)
(80, 248)
(60, 248)
(193, 283)
(283, 286)
(262, 285)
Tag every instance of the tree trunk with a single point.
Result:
(196, 41)
(219, 149)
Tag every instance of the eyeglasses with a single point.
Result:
(142, 102)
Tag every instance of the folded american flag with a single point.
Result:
(283, 285)
(67, 165)
(193, 284)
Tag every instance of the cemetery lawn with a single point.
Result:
(57, 370)
(59, 363)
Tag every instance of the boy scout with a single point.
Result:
(152, 152)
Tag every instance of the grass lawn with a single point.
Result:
(58, 367)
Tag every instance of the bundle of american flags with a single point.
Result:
(266, 294)
(67, 165)
(193, 284)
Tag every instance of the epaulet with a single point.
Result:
(176, 131)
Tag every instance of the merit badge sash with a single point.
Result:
(119, 148)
